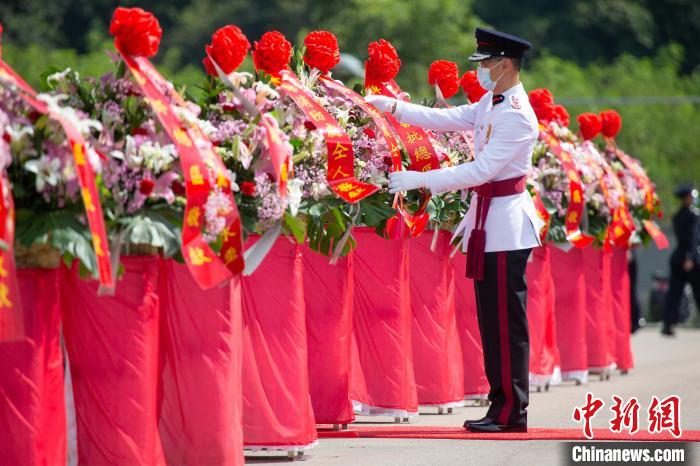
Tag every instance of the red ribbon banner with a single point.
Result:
(574, 211)
(199, 165)
(86, 176)
(543, 214)
(421, 154)
(341, 161)
(11, 318)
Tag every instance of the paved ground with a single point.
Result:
(663, 366)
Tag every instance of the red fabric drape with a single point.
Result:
(622, 310)
(328, 298)
(598, 308)
(475, 383)
(112, 344)
(382, 373)
(570, 310)
(32, 408)
(276, 403)
(437, 352)
(200, 418)
(540, 316)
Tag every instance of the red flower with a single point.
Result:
(178, 188)
(309, 125)
(321, 50)
(139, 131)
(471, 87)
(370, 133)
(561, 116)
(589, 124)
(446, 75)
(6, 137)
(228, 48)
(135, 31)
(543, 104)
(383, 63)
(248, 188)
(146, 186)
(272, 53)
(612, 122)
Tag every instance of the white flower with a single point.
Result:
(237, 78)
(157, 158)
(319, 190)
(19, 133)
(46, 171)
(132, 155)
(84, 125)
(264, 91)
(207, 127)
(294, 195)
(58, 80)
(244, 155)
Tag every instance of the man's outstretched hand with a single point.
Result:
(383, 103)
(405, 181)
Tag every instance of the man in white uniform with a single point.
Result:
(502, 225)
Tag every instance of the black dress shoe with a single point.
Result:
(668, 331)
(473, 421)
(490, 426)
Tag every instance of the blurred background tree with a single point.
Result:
(639, 57)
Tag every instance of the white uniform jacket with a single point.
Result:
(504, 137)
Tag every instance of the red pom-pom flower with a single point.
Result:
(471, 87)
(612, 122)
(383, 62)
(589, 124)
(146, 186)
(542, 103)
(446, 75)
(228, 48)
(136, 32)
(248, 188)
(561, 115)
(272, 53)
(322, 50)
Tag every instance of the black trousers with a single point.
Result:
(501, 300)
(676, 286)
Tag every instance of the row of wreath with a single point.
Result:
(99, 165)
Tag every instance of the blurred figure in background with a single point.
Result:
(685, 262)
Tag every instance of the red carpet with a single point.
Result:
(458, 433)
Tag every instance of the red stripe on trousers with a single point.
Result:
(506, 381)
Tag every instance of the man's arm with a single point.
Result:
(459, 118)
(511, 136)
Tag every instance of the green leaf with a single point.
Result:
(297, 226)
